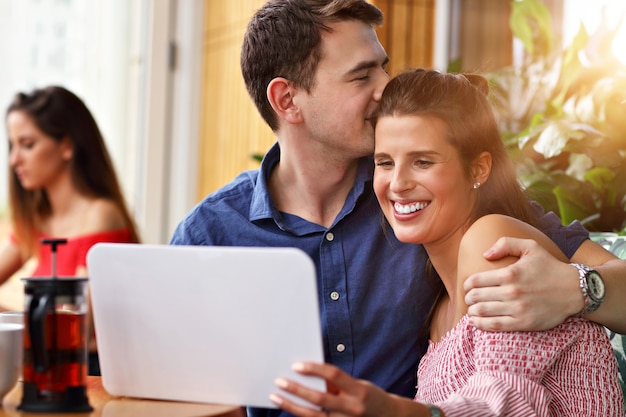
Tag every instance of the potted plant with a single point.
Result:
(562, 115)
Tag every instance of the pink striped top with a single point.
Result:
(566, 371)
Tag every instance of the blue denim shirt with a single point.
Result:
(373, 293)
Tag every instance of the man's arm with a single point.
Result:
(612, 311)
(539, 292)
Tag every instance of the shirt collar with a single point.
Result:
(262, 206)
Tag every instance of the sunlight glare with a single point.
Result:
(613, 12)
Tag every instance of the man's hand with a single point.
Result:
(537, 292)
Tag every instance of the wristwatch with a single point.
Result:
(434, 411)
(592, 287)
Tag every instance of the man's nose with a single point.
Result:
(382, 78)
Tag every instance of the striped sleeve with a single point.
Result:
(514, 373)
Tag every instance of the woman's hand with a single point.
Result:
(346, 396)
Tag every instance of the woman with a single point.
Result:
(62, 185)
(444, 180)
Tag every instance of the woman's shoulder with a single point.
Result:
(486, 231)
(501, 221)
(103, 214)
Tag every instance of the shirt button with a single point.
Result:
(341, 347)
(334, 296)
(330, 237)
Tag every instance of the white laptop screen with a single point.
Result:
(203, 324)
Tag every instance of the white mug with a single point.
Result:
(11, 352)
(16, 317)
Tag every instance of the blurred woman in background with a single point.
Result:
(62, 184)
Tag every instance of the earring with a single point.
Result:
(476, 185)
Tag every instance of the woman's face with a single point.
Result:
(419, 179)
(37, 159)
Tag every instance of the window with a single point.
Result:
(93, 48)
(136, 64)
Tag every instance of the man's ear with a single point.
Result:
(481, 168)
(280, 94)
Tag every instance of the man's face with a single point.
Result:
(348, 84)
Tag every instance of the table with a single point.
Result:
(107, 405)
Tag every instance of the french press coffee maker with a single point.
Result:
(55, 342)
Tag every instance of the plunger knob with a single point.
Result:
(53, 247)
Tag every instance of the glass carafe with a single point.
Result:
(55, 344)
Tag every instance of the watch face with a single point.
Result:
(595, 286)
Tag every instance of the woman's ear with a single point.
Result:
(280, 94)
(481, 168)
(67, 150)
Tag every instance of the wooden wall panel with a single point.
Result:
(485, 36)
(231, 128)
(407, 33)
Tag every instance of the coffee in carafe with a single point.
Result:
(64, 333)
(55, 343)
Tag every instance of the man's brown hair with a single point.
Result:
(284, 39)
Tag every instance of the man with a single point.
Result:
(315, 70)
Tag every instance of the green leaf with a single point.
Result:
(571, 67)
(257, 157)
(570, 55)
(571, 206)
(455, 66)
(531, 23)
(599, 177)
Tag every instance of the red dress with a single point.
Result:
(569, 370)
(73, 254)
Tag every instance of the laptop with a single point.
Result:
(203, 324)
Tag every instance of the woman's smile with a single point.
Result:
(408, 208)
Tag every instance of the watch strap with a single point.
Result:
(590, 305)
